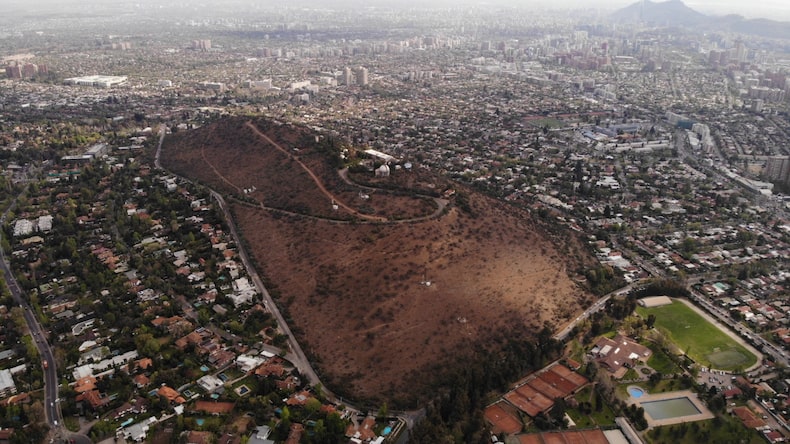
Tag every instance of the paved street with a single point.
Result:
(54, 417)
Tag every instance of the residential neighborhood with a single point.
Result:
(133, 308)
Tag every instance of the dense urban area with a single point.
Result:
(134, 308)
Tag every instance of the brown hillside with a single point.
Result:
(358, 293)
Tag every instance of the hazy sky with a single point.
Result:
(774, 9)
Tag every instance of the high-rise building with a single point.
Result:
(362, 76)
(13, 72)
(29, 70)
(777, 168)
(740, 52)
(347, 76)
(201, 45)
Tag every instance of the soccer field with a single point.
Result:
(706, 344)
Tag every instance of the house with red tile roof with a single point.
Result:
(300, 398)
(289, 383)
(295, 434)
(194, 437)
(270, 368)
(619, 354)
(170, 394)
(364, 431)
(94, 399)
(141, 381)
(144, 364)
(5, 435)
(85, 384)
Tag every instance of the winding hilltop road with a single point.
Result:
(599, 305)
(315, 178)
(297, 355)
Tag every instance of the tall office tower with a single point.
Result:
(777, 168)
(347, 76)
(740, 52)
(362, 76)
(719, 57)
(29, 70)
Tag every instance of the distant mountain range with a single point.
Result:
(675, 13)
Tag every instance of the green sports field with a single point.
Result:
(702, 341)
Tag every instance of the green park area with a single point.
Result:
(702, 341)
(719, 429)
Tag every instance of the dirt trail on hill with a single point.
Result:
(315, 178)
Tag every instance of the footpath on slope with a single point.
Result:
(315, 178)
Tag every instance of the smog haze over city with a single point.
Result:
(772, 9)
(258, 222)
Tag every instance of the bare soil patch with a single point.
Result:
(380, 306)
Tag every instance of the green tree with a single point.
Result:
(383, 411)
(147, 344)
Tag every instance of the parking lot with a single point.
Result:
(716, 378)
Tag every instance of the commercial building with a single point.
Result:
(362, 76)
(97, 81)
(213, 86)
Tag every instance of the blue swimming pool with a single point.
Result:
(387, 430)
(635, 392)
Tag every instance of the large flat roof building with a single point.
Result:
(98, 81)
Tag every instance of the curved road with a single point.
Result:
(315, 178)
(297, 355)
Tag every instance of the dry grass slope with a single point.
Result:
(357, 292)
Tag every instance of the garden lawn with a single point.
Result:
(604, 417)
(702, 341)
(660, 362)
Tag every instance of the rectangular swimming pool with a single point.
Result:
(670, 408)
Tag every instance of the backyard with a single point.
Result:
(592, 410)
